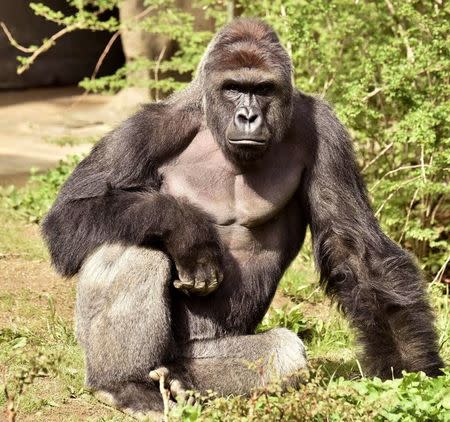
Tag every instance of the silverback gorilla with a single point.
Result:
(181, 222)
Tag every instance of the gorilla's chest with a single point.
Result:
(203, 176)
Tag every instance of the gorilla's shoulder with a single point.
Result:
(311, 104)
(315, 119)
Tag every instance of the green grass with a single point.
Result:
(70, 140)
(18, 239)
(44, 370)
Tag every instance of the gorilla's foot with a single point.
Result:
(170, 383)
(142, 401)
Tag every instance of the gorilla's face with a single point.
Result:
(247, 111)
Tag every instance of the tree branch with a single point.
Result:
(13, 42)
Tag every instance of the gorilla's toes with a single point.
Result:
(174, 385)
(143, 401)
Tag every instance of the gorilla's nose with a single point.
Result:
(248, 119)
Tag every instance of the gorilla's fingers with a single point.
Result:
(157, 373)
(200, 285)
(211, 287)
(213, 276)
(177, 390)
(187, 284)
(207, 279)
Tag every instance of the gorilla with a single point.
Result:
(181, 222)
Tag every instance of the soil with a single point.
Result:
(31, 120)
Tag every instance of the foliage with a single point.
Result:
(383, 64)
(415, 397)
(292, 318)
(34, 200)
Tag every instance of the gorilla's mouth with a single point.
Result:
(257, 142)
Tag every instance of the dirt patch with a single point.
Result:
(29, 118)
(32, 120)
(35, 281)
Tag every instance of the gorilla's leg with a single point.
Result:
(124, 324)
(238, 364)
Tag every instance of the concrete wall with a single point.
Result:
(69, 61)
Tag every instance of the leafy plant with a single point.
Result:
(291, 318)
(383, 64)
(34, 200)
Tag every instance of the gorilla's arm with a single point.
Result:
(376, 282)
(113, 195)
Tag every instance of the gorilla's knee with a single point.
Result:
(109, 262)
(118, 274)
(288, 354)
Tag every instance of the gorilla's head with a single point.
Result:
(246, 77)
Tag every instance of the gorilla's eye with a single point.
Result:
(231, 87)
(265, 88)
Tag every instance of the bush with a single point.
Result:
(34, 200)
(383, 64)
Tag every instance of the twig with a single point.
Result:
(393, 193)
(327, 85)
(112, 40)
(372, 93)
(395, 171)
(157, 66)
(231, 10)
(438, 204)
(104, 54)
(385, 149)
(46, 46)
(441, 271)
(107, 48)
(165, 393)
(284, 15)
(402, 32)
(13, 42)
(408, 214)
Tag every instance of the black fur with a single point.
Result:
(376, 282)
(114, 196)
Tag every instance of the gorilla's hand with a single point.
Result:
(196, 250)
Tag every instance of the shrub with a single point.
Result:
(383, 64)
(34, 200)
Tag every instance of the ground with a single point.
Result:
(42, 366)
(41, 126)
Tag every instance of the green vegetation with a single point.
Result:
(70, 140)
(44, 372)
(34, 200)
(385, 65)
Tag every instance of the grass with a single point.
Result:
(43, 369)
(70, 140)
